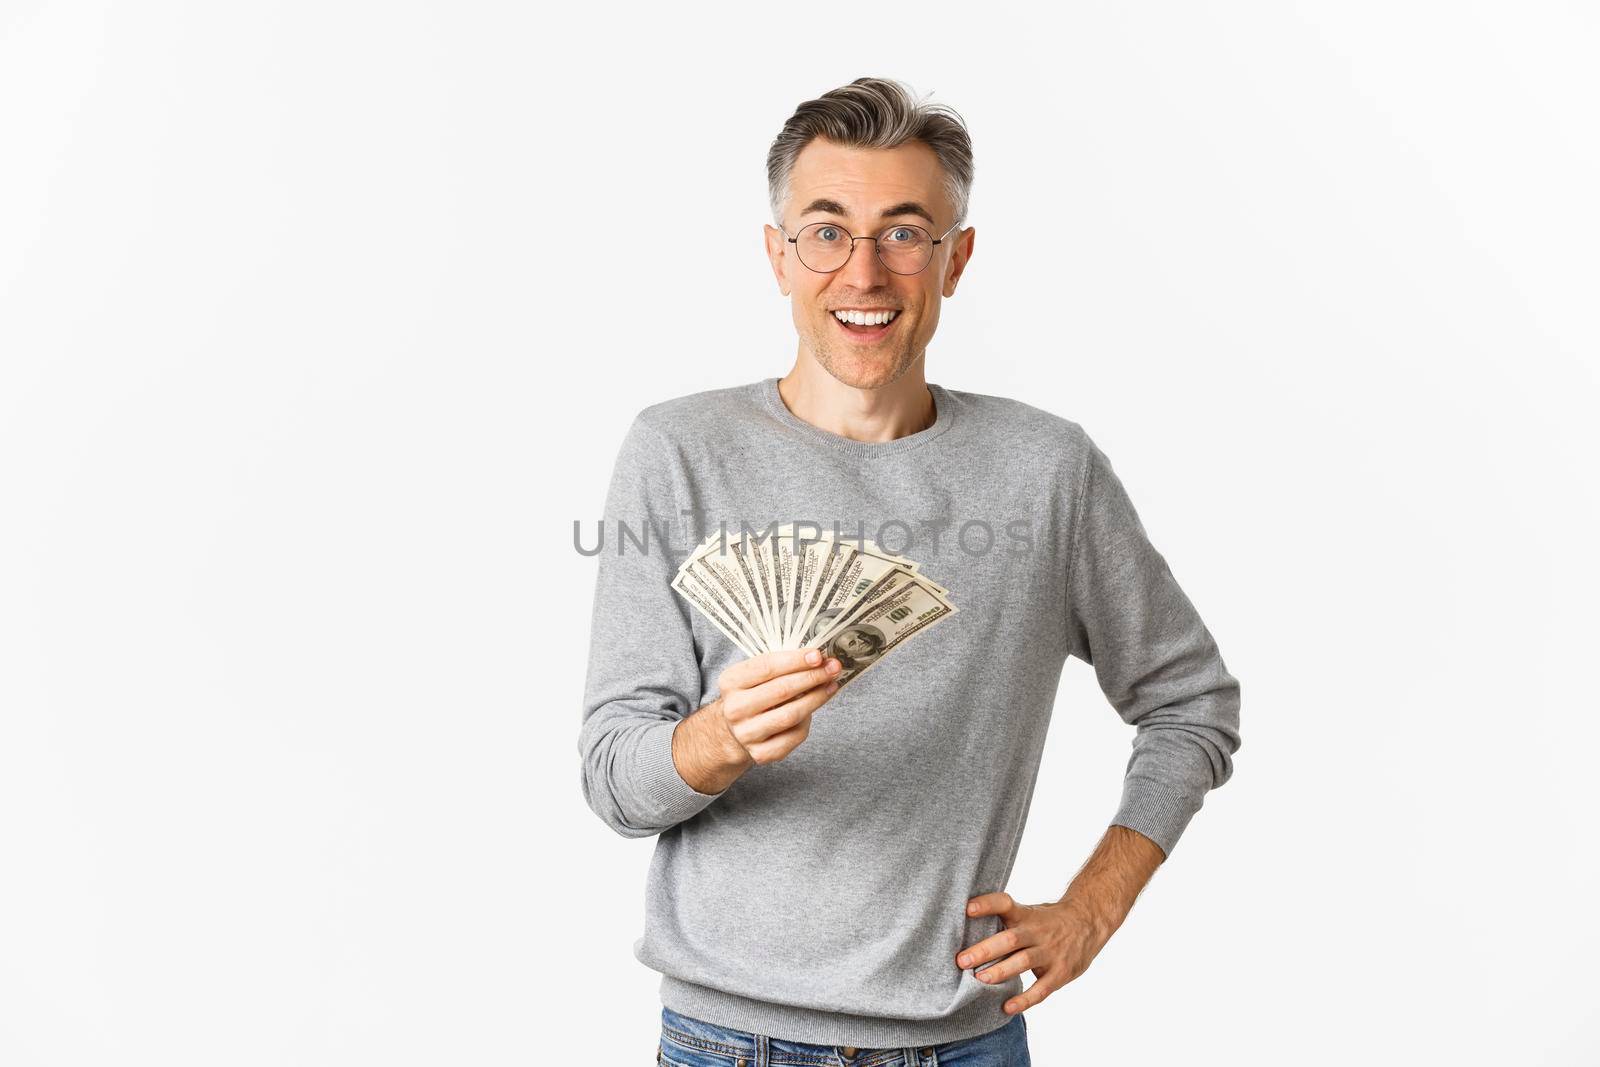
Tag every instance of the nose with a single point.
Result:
(864, 269)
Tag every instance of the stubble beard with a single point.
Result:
(862, 369)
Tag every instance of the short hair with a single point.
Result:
(873, 113)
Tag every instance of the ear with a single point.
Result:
(960, 254)
(778, 256)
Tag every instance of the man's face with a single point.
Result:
(859, 185)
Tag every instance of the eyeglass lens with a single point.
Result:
(904, 249)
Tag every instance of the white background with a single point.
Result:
(321, 323)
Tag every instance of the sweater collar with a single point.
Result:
(944, 415)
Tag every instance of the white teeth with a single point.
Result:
(866, 318)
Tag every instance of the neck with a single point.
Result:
(871, 415)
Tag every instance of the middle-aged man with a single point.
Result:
(830, 888)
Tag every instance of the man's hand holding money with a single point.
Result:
(762, 714)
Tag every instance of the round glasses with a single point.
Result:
(826, 246)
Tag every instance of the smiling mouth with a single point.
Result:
(864, 331)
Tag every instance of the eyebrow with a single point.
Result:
(833, 207)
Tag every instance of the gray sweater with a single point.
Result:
(822, 898)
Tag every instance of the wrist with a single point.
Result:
(708, 756)
(733, 753)
(1096, 911)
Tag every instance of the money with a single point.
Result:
(773, 589)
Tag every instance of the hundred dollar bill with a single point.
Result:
(796, 585)
(747, 563)
(713, 606)
(905, 605)
(861, 567)
(737, 575)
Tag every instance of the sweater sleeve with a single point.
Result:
(644, 673)
(1154, 659)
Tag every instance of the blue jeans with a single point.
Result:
(688, 1042)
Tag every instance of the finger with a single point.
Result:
(1013, 964)
(990, 948)
(768, 750)
(793, 711)
(1029, 997)
(758, 669)
(989, 904)
(788, 686)
(791, 718)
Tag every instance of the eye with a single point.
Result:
(827, 233)
(900, 235)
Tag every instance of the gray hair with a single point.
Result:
(873, 113)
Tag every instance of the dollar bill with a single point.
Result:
(787, 588)
(902, 605)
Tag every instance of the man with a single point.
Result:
(836, 880)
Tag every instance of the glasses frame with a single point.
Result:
(876, 248)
